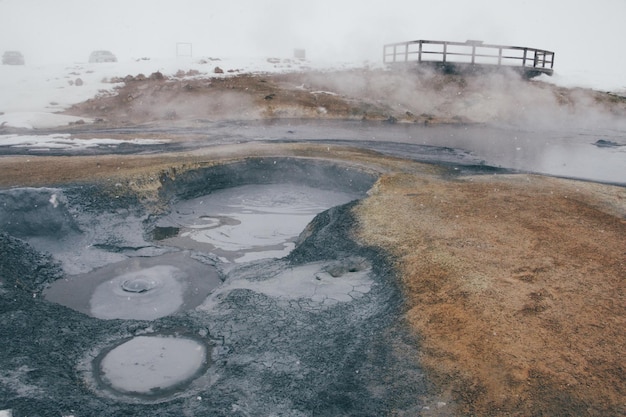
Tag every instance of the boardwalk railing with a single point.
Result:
(455, 55)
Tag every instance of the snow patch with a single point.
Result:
(66, 141)
(38, 120)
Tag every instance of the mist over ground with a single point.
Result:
(501, 97)
(586, 36)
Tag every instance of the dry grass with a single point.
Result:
(516, 287)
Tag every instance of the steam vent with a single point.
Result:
(470, 56)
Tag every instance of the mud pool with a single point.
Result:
(142, 288)
(248, 222)
(244, 294)
(151, 366)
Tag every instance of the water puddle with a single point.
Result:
(248, 222)
(138, 288)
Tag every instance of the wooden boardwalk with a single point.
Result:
(469, 56)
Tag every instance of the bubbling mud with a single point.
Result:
(138, 288)
(206, 314)
(151, 366)
(139, 284)
(316, 285)
(146, 294)
(248, 222)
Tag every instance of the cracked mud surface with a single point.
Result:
(509, 300)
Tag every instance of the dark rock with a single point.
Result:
(601, 143)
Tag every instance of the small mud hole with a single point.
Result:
(160, 232)
(139, 284)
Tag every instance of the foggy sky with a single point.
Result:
(585, 35)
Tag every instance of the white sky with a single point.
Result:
(586, 35)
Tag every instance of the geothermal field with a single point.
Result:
(210, 238)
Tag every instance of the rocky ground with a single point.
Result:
(514, 284)
(359, 94)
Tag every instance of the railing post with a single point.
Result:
(419, 54)
(537, 59)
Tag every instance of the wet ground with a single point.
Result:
(312, 268)
(597, 154)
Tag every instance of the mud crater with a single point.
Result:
(250, 308)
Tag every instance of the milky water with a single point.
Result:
(237, 224)
(249, 222)
(150, 365)
(316, 285)
(138, 288)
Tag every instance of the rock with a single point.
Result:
(601, 143)
(218, 70)
(78, 82)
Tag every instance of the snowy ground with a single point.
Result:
(33, 95)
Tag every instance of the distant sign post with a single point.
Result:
(183, 49)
